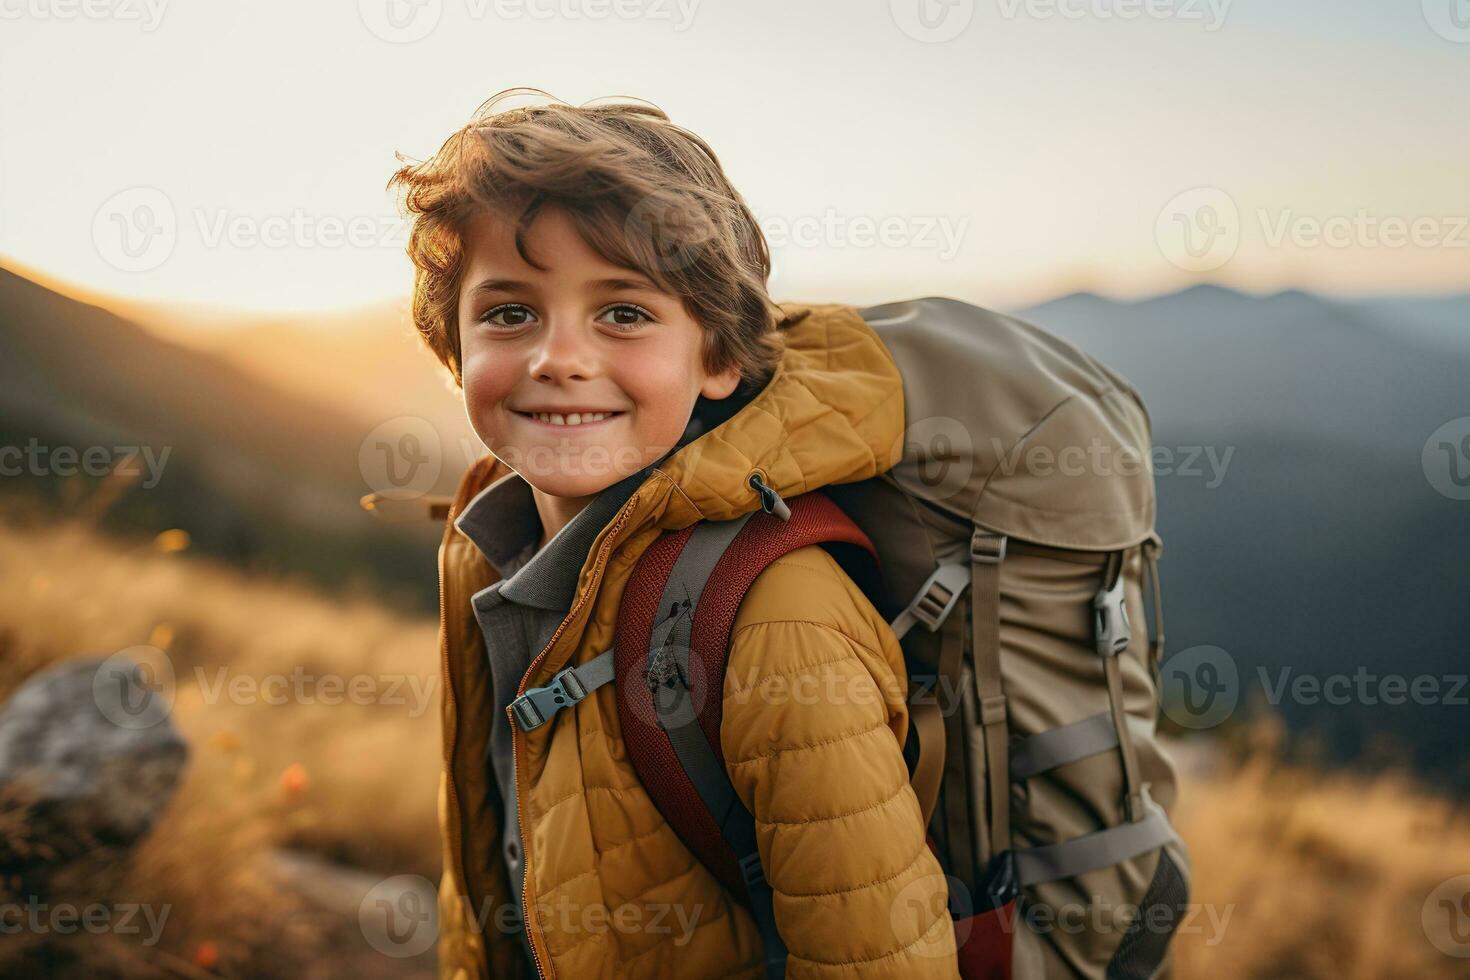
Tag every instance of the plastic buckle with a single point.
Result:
(1110, 620)
(986, 547)
(939, 594)
(534, 708)
(750, 868)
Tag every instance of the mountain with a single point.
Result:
(1315, 545)
(252, 471)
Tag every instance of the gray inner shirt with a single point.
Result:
(520, 613)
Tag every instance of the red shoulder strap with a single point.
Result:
(814, 519)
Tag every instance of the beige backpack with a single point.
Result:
(1020, 521)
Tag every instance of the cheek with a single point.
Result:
(487, 382)
(663, 388)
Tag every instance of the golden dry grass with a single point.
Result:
(1320, 876)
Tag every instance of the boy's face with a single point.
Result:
(584, 336)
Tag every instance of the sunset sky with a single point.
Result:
(1000, 151)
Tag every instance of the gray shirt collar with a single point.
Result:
(502, 521)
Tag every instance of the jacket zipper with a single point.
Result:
(602, 555)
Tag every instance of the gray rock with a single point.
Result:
(91, 743)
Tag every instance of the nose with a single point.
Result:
(565, 353)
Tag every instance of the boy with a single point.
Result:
(598, 290)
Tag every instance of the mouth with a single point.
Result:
(572, 422)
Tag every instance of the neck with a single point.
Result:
(556, 512)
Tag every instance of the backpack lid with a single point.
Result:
(1014, 429)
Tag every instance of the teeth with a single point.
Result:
(572, 419)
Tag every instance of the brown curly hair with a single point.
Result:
(643, 193)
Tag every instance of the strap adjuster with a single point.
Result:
(987, 547)
(750, 868)
(993, 710)
(938, 595)
(537, 706)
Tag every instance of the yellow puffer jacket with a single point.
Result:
(609, 888)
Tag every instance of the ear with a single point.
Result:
(721, 385)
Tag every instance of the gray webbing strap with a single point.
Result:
(570, 685)
(1113, 636)
(1069, 858)
(1153, 546)
(987, 551)
(931, 606)
(669, 683)
(959, 827)
(1058, 746)
(1032, 755)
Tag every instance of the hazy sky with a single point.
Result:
(996, 150)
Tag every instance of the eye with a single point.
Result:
(626, 309)
(513, 309)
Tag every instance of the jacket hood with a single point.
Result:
(833, 412)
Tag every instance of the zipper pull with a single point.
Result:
(771, 501)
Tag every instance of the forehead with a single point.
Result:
(551, 240)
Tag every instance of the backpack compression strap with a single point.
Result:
(671, 655)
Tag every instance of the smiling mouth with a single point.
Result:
(573, 420)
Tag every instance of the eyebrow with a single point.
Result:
(515, 285)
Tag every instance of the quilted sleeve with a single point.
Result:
(814, 718)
